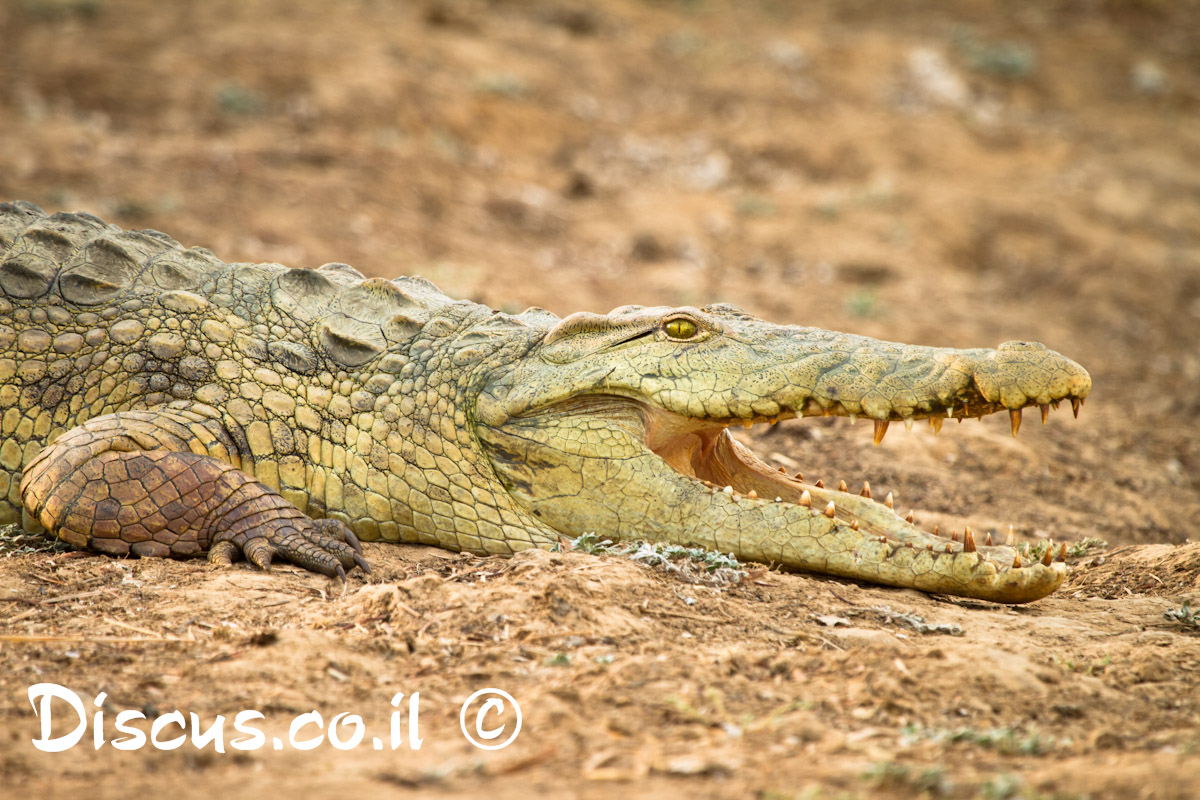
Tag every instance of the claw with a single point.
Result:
(259, 552)
(352, 540)
(223, 553)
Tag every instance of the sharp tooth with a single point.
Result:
(842, 486)
(799, 476)
(881, 426)
(908, 424)
(820, 484)
(830, 510)
(966, 411)
(774, 421)
(929, 547)
(1014, 416)
(1075, 404)
(1045, 409)
(936, 424)
(908, 544)
(1062, 553)
(911, 518)
(806, 499)
(954, 536)
(728, 490)
(1012, 537)
(988, 541)
(1048, 558)
(949, 548)
(753, 495)
(853, 418)
(784, 471)
(1055, 404)
(968, 541)
(889, 501)
(747, 423)
(866, 490)
(778, 499)
(935, 530)
(708, 483)
(1017, 561)
(854, 525)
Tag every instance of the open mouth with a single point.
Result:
(704, 451)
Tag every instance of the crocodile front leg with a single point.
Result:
(158, 483)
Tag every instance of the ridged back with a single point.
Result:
(86, 264)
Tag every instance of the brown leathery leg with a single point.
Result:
(128, 483)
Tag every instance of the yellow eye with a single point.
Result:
(681, 328)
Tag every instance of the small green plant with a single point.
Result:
(671, 557)
(16, 542)
(589, 543)
(1008, 741)
(239, 101)
(1083, 546)
(502, 84)
(863, 303)
(1014, 61)
(890, 775)
(1184, 615)
(1001, 787)
(1085, 668)
(62, 9)
(755, 205)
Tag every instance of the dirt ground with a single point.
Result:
(953, 174)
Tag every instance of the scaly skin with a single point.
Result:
(156, 401)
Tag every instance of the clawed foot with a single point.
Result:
(327, 546)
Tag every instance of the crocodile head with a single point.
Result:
(617, 424)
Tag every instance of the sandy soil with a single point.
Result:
(899, 170)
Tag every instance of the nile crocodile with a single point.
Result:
(156, 401)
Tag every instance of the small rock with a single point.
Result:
(936, 80)
(1147, 77)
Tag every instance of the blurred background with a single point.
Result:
(949, 174)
